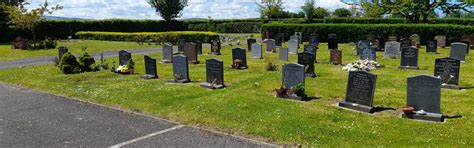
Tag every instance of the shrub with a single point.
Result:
(271, 66)
(68, 64)
(173, 37)
(86, 62)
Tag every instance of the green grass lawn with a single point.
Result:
(75, 46)
(247, 105)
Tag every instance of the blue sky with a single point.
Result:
(140, 9)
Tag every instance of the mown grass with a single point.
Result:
(247, 105)
(75, 46)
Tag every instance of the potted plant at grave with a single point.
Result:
(237, 63)
(408, 109)
(299, 90)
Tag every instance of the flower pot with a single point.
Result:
(408, 109)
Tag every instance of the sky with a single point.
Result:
(140, 9)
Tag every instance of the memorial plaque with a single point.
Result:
(167, 53)
(250, 41)
(313, 40)
(336, 57)
(448, 70)
(181, 69)
(392, 50)
(307, 59)
(441, 39)
(214, 74)
(405, 43)
(190, 51)
(361, 45)
(458, 51)
(360, 91)
(332, 41)
(293, 46)
(150, 68)
(432, 47)
(239, 54)
(424, 93)
(415, 40)
(61, 52)
(124, 57)
(368, 54)
(283, 54)
(292, 75)
(181, 43)
(256, 51)
(216, 47)
(271, 46)
(409, 58)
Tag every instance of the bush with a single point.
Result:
(173, 37)
(86, 62)
(271, 66)
(68, 64)
(353, 32)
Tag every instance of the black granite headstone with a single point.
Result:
(409, 58)
(432, 47)
(180, 69)
(360, 91)
(150, 68)
(239, 54)
(250, 41)
(214, 74)
(448, 70)
(124, 57)
(332, 41)
(307, 59)
(424, 93)
(62, 51)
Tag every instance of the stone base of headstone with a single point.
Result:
(179, 81)
(428, 117)
(409, 67)
(299, 98)
(147, 77)
(212, 86)
(357, 107)
(166, 61)
(450, 86)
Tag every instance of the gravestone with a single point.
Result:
(283, 54)
(239, 54)
(368, 54)
(167, 53)
(61, 51)
(150, 68)
(124, 57)
(216, 47)
(279, 39)
(362, 45)
(190, 51)
(432, 47)
(332, 41)
(392, 50)
(293, 46)
(293, 75)
(470, 39)
(336, 57)
(313, 40)
(250, 41)
(181, 43)
(467, 47)
(297, 38)
(381, 42)
(270, 46)
(409, 58)
(448, 70)
(257, 51)
(300, 36)
(360, 91)
(307, 59)
(180, 69)
(392, 38)
(265, 35)
(415, 40)
(458, 51)
(198, 47)
(424, 93)
(214, 74)
(405, 43)
(311, 49)
(441, 39)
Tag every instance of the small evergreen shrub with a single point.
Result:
(86, 62)
(68, 64)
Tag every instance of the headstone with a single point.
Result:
(124, 57)
(297, 38)
(300, 36)
(239, 54)
(190, 51)
(375, 44)
(448, 70)
(458, 51)
(441, 39)
(381, 42)
(405, 43)
(368, 54)
(167, 53)
(216, 47)
(62, 50)
(293, 75)
(362, 45)
(336, 57)
(257, 51)
(198, 47)
(313, 40)
(432, 47)
(293, 46)
(409, 58)
(279, 39)
(424, 93)
(214, 74)
(415, 40)
(467, 47)
(470, 39)
(150, 68)
(265, 35)
(392, 50)
(392, 38)
(180, 69)
(311, 49)
(271, 46)
(360, 91)
(332, 41)
(181, 43)
(250, 41)
(307, 59)
(283, 54)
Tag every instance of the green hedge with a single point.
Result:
(172, 37)
(353, 32)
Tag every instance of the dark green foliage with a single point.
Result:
(190, 36)
(342, 12)
(131, 64)
(68, 64)
(271, 66)
(86, 62)
(168, 9)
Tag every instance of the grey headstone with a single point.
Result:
(448, 70)
(271, 45)
(240, 54)
(332, 41)
(181, 43)
(361, 88)
(283, 54)
(150, 67)
(409, 57)
(293, 46)
(424, 93)
(361, 45)
(257, 51)
(124, 57)
(415, 40)
(167, 53)
(441, 39)
(190, 51)
(62, 51)
(432, 47)
(468, 45)
(250, 41)
(368, 53)
(293, 74)
(458, 51)
(392, 50)
(307, 59)
(181, 68)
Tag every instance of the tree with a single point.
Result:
(309, 9)
(342, 12)
(320, 13)
(270, 8)
(372, 10)
(168, 9)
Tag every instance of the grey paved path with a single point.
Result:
(35, 119)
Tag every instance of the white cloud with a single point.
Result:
(140, 9)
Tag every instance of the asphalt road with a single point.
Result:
(34, 119)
